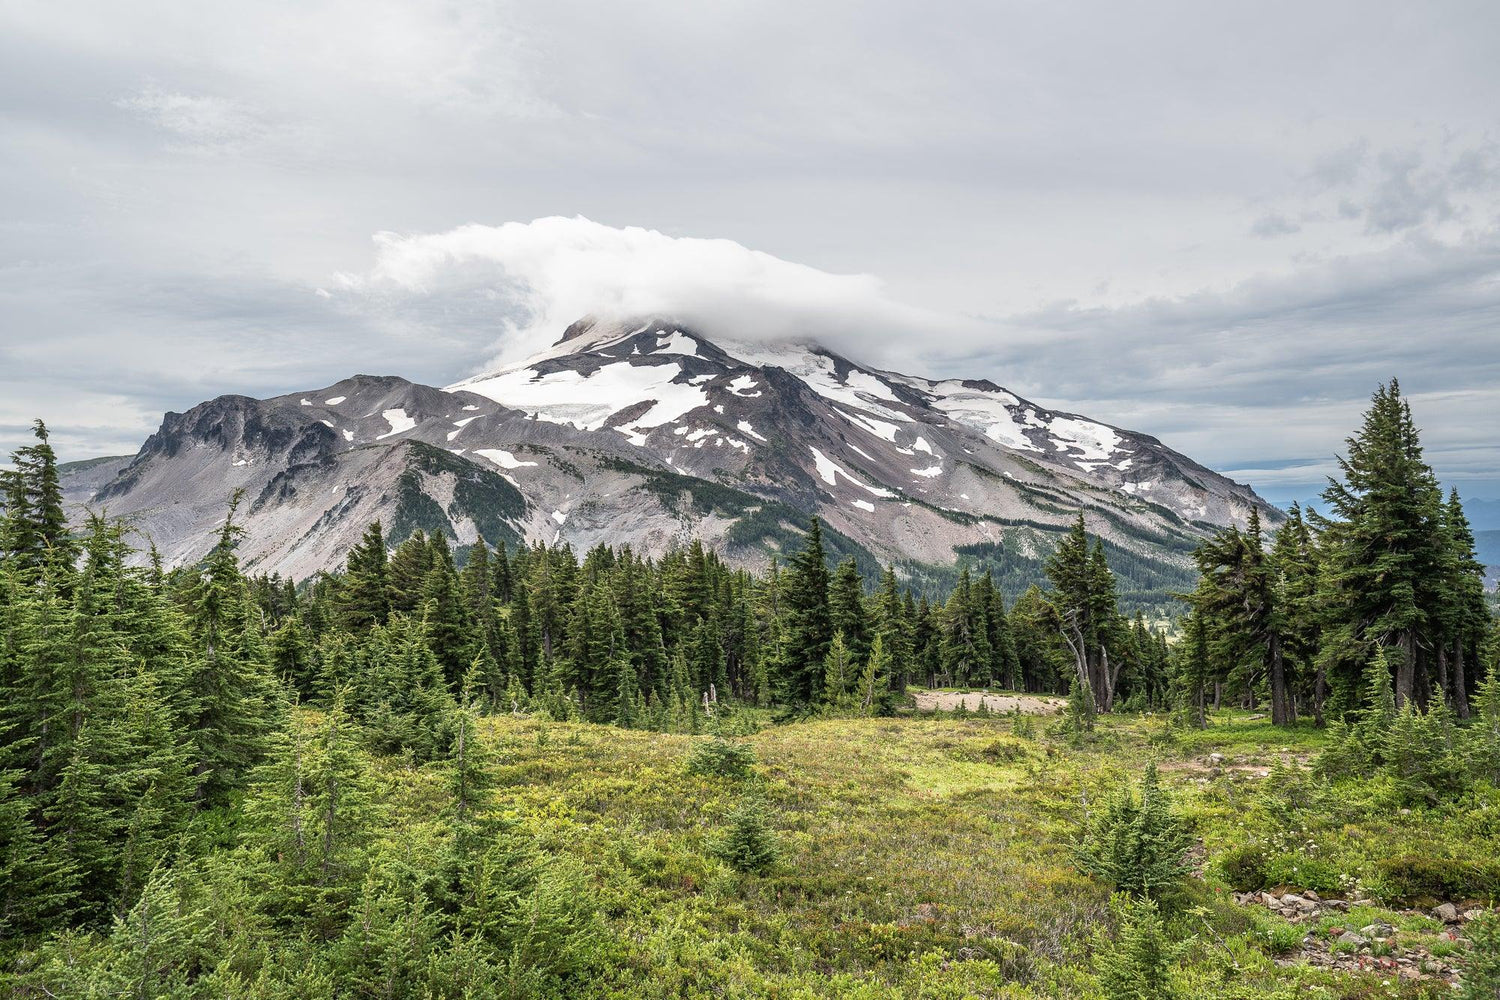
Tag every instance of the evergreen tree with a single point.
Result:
(1388, 552)
(34, 536)
(29, 881)
(809, 621)
(1085, 603)
(229, 676)
(893, 628)
(874, 694)
(1238, 594)
(1481, 962)
(1136, 843)
(1137, 965)
(838, 674)
(748, 845)
(846, 609)
(470, 783)
(1462, 617)
(406, 572)
(366, 597)
(1294, 562)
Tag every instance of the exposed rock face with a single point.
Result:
(649, 434)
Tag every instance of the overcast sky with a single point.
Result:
(1219, 223)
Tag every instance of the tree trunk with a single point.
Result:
(1218, 694)
(1460, 687)
(1279, 714)
(1110, 676)
(1320, 693)
(1405, 672)
(1442, 669)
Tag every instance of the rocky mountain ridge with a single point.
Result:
(649, 433)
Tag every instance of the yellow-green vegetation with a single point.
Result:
(917, 857)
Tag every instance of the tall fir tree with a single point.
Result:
(809, 619)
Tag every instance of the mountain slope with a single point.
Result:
(650, 434)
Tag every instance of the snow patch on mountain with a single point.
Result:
(676, 342)
(880, 428)
(993, 413)
(854, 388)
(502, 458)
(742, 386)
(588, 400)
(1093, 442)
(399, 421)
(829, 471)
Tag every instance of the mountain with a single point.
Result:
(651, 434)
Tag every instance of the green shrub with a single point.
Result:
(1136, 844)
(1303, 871)
(1244, 867)
(1273, 935)
(1138, 964)
(1419, 878)
(748, 845)
(721, 758)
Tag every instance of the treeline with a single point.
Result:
(140, 703)
(1386, 581)
(173, 822)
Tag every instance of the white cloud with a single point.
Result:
(535, 278)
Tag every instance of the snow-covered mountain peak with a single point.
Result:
(651, 432)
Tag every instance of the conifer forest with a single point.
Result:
(466, 772)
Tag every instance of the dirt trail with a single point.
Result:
(1003, 704)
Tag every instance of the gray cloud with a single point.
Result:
(1407, 196)
(1273, 224)
(181, 181)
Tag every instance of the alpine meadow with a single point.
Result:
(535, 775)
(860, 500)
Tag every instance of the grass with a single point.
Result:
(918, 857)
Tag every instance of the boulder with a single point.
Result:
(1447, 913)
(1377, 930)
(1351, 940)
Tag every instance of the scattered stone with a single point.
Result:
(1473, 914)
(1352, 940)
(1216, 759)
(1447, 913)
(1309, 894)
(1377, 930)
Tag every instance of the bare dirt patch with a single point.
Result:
(1001, 704)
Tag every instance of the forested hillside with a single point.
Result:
(413, 777)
